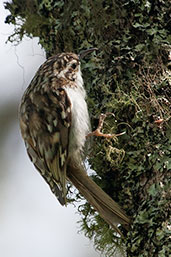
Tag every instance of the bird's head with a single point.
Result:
(67, 65)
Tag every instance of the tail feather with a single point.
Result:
(108, 209)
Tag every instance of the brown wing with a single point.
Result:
(45, 120)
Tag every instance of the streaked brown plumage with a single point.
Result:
(54, 122)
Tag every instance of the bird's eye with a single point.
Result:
(74, 66)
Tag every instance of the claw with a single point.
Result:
(98, 132)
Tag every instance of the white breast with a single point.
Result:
(80, 119)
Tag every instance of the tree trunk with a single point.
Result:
(128, 77)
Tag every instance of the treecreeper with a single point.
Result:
(54, 122)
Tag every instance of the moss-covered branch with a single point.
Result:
(129, 77)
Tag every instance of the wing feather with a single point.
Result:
(45, 124)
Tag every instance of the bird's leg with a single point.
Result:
(98, 132)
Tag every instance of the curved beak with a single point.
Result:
(83, 53)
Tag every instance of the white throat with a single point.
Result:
(80, 125)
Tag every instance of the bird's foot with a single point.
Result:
(98, 132)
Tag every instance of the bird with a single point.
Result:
(54, 123)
